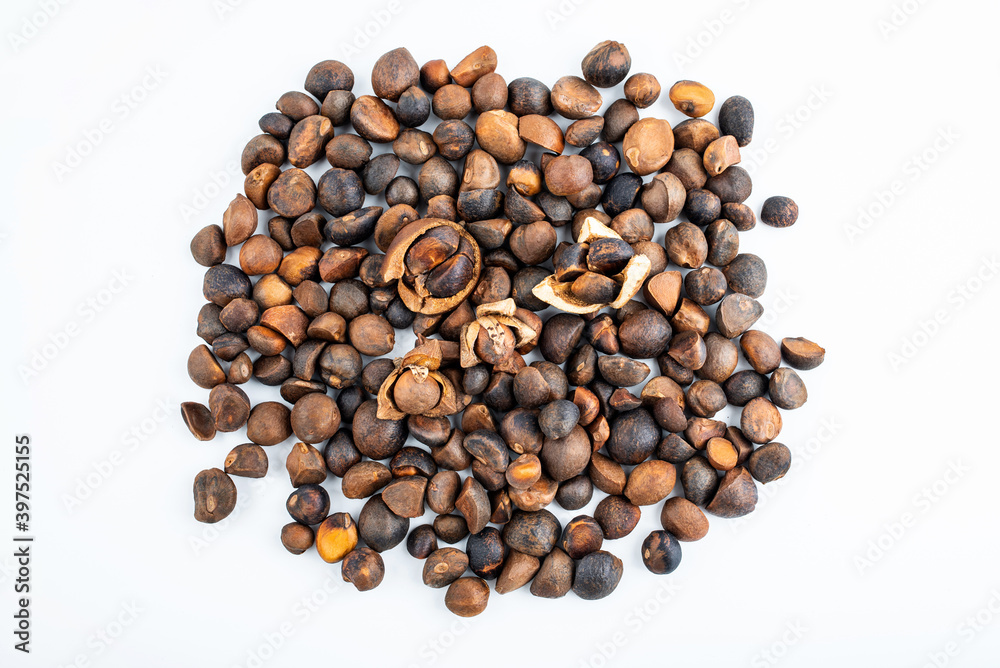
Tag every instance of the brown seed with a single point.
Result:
(393, 73)
(787, 389)
(650, 482)
(769, 462)
(542, 131)
(607, 64)
(594, 288)
(239, 221)
(663, 198)
(442, 491)
(305, 465)
(474, 505)
(736, 496)
(585, 131)
(271, 290)
(566, 457)
(663, 291)
(761, 351)
(308, 140)
(489, 92)
(802, 353)
(444, 566)
(692, 98)
(269, 423)
(574, 98)
(230, 407)
(474, 66)
(686, 245)
(760, 421)
(642, 89)
(524, 471)
(363, 568)
(695, 134)
(451, 102)
(688, 349)
(582, 536)
(689, 168)
(779, 212)
(261, 149)
(204, 369)
(621, 371)
(260, 255)
(434, 74)
(700, 431)
(247, 460)
(364, 479)
(518, 570)
(555, 578)
(336, 537)
(683, 519)
(296, 105)
(297, 538)
(405, 496)
(198, 419)
(617, 516)
(292, 194)
(648, 145)
(737, 313)
(372, 335)
(467, 597)
(699, 479)
(315, 418)
(208, 247)
(497, 134)
(374, 120)
(607, 475)
(720, 154)
(721, 454)
(214, 496)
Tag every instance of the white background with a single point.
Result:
(869, 553)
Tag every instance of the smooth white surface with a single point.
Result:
(868, 446)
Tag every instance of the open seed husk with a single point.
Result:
(424, 362)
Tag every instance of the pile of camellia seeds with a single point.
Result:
(630, 262)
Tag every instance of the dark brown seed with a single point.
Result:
(444, 566)
(374, 437)
(688, 349)
(261, 149)
(747, 274)
(705, 398)
(454, 139)
(705, 286)
(337, 106)
(607, 64)
(566, 457)
(489, 93)
(379, 527)
(769, 462)
(533, 243)
(644, 335)
(405, 496)
(451, 528)
(421, 542)
(560, 336)
(467, 597)
(582, 536)
(736, 496)
(530, 96)
(683, 519)
(204, 369)
(616, 516)
(661, 553)
(534, 533)
(214, 496)
(801, 353)
(363, 568)
(223, 283)
(619, 117)
(736, 118)
(732, 185)
(198, 419)
(787, 389)
(597, 575)
(309, 504)
(743, 386)
(297, 538)
(700, 431)
(277, 124)
(779, 212)
(340, 454)
(519, 429)
(486, 553)
(230, 407)
(760, 421)
(699, 479)
(269, 423)
(315, 418)
(348, 151)
(442, 491)
(741, 216)
(594, 288)
(634, 436)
